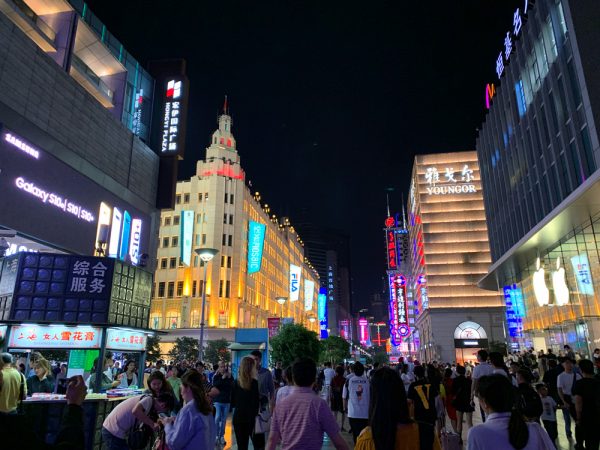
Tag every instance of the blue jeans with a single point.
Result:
(111, 442)
(221, 417)
(567, 417)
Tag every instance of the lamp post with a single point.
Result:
(281, 301)
(205, 254)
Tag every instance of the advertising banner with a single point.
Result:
(45, 198)
(123, 339)
(363, 330)
(514, 314)
(322, 312)
(256, 241)
(398, 308)
(54, 336)
(187, 234)
(295, 274)
(309, 293)
(273, 324)
(581, 269)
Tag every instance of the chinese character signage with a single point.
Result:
(187, 231)
(581, 269)
(54, 336)
(273, 324)
(392, 257)
(173, 118)
(510, 37)
(137, 112)
(123, 339)
(398, 308)
(90, 277)
(513, 299)
(309, 293)
(450, 181)
(295, 274)
(256, 241)
(322, 312)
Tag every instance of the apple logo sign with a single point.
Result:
(559, 283)
(542, 294)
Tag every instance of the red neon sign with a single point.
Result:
(391, 250)
(399, 326)
(490, 92)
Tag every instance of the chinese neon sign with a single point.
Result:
(54, 336)
(391, 250)
(172, 117)
(513, 299)
(450, 181)
(123, 339)
(363, 326)
(509, 39)
(398, 308)
(322, 312)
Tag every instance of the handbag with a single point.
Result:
(140, 434)
(262, 422)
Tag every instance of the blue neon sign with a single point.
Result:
(322, 312)
(256, 241)
(515, 310)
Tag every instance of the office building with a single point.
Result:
(539, 153)
(449, 253)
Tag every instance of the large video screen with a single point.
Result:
(44, 198)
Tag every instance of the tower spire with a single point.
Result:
(403, 213)
(225, 105)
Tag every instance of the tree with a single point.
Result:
(294, 341)
(335, 349)
(217, 350)
(381, 357)
(184, 348)
(153, 349)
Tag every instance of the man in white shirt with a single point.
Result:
(482, 369)
(328, 374)
(356, 395)
(565, 382)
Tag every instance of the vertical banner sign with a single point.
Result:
(391, 250)
(256, 241)
(187, 234)
(514, 319)
(363, 326)
(171, 117)
(309, 293)
(581, 269)
(399, 326)
(322, 312)
(136, 236)
(273, 324)
(137, 112)
(295, 274)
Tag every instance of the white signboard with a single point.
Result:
(123, 339)
(309, 293)
(295, 274)
(54, 336)
(449, 181)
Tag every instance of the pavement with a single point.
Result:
(562, 443)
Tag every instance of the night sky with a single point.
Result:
(330, 100)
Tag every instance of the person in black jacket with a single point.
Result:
(245, 399)
(529, 402)
(223, 381)
(17, 434)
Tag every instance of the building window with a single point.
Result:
(194, 286)
(205, 196)
(221, 288)
(223, 261)
(203, 239)
(225, 218)
(201, 288)
(155, 321)
(226, 195)
(165, 242)
(163, 263)
(186, 198)
(172, 320)
(178, 199)
(224, 242)
(174, 241)
(200, 197)
(230, 219)
(176, 220)
(222, 141)
(161, 289)
(179, 288)
(195, 318)
(170, 289)
(195, 261)
(229, 262)
(227, 288)
(197, 240)
(231, 199)
(167, 221)
(230, 240)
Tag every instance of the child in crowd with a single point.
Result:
(548, 412)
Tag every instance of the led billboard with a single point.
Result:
(187, 233)
(309, 293)
(256, 241)
(322, 312)
(46, 199)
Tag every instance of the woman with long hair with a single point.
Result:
(194, 427)
(129, 376)
(447, 382)
(157, 383)
(245, 400)
(390, 427)
(40, 382)
(505, 427)
(461, 392)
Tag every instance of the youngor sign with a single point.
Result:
(47, 199)
(450, 181)
(256, 242)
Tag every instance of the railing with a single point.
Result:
(91, 76)
(39, 23)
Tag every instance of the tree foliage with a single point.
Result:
(294, 341)
(153, 349)
(184, 348)
(217, 350)
(381, 357)
(335, 349)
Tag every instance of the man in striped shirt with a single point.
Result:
(301, 418)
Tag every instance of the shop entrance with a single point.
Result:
(469, 338)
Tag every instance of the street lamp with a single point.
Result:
(281, 301)
(205, 254)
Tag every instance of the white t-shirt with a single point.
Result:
(407, 379)
(565, 381)
(121, 419)
(549, 409)
(357, 391)
(328, 373)
(482, 370)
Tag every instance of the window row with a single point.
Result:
(228, 218)
(172, 241)
(172, 289)
(227, 240)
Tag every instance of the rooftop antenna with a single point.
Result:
(403, 214)
(387, 197)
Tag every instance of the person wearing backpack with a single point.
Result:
(529, 402)
(356, 396)
(130, 414)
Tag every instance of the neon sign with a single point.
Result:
(256, 240)
(390, 222)
(399, 326)
(322, 312)
(137, 112)
(391, 250)
(171, 117)
(25, 148)
(450, 182)
(509, 38)
(363, 326)
(490, 92)
(514, 319)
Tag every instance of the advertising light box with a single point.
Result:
(45, 198)
(295, 274)
(54, 336)
(187, 231)
(309, 293)
(256, 241)
(125, 340)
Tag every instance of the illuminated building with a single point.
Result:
(244, 278)
(449, 253)
(539, 152)
(78, 175)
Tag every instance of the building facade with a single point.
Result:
(539, 153)
(76, 175)
(260, 257)
(449, 253)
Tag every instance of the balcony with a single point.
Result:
(91, 82)
(30, 22)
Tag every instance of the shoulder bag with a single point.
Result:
(262, 422)
(140, 434)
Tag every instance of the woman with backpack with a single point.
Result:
(390, 427)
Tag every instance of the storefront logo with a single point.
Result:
(256, 241)
(171, 117)
(540, 290)
(295, 274)
(559, 284)
(450, 181)
(25, 148)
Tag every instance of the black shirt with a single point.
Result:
(224, 385)
(589, 390)
(245, 402)
(423, 394)
(550, 378)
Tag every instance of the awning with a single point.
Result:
(237, 346)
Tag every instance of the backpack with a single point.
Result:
(529, 403)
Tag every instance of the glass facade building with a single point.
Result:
(539, 153)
